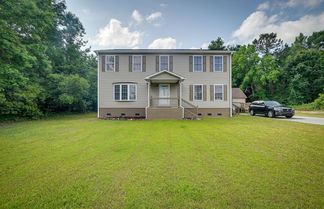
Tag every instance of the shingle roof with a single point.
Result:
(237, 93)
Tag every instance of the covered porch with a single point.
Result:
(164, 96)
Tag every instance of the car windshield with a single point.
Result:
(272, 103)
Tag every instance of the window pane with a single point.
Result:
(218, 63)
(197, 63)
(110, 62)
(124, 92)
(137, 63)
(198, 92)
(110, 67)
(218, 92)
(164, 63)
(117, 92)
(110, 59)
(132, 92)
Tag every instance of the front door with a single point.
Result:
(164, 94)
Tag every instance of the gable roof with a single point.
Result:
(237, 93)
(178, 77)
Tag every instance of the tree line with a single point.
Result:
(267, 69)
(44, 67)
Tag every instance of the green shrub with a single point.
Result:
(318, 103)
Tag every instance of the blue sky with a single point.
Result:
(192, 23)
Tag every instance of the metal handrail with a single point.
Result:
(191, 106)
(188, 103)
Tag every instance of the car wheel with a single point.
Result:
(252, 113)
(271, 114)
(289, 116)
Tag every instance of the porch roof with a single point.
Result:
(164, 77)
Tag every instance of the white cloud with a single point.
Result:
(258, 22)
(264, 6)
(153, 16)
(305, 3)
(137, 16)
(205, 45)
(163, 5)
(163, 43)
(114, 35)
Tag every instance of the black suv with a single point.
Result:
(270, 109)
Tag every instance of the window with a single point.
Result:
(164, 62)
(125, 92)
(132, 92)
(110, 63)
(117, 92)
(218, 63)
(197, 63)
(137, 63)
(198, 92)
(219, 92)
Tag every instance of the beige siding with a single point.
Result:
(180, 67)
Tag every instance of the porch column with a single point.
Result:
(180, 93)
(149, 94)
(180, 98)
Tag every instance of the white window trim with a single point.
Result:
(133, 63)
(193, 63)
(215, 92)
(168, 62)
(128, 92)
(202, 92)
(214, 63)
(106, 62)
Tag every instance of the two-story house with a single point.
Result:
(164, 83)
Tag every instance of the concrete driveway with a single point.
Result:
(300, 119)
(303, 119)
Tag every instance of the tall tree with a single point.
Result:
(217, 44)
(316, 40)
(244, 67)
(38, 54)
(267, 43)
(304, 76)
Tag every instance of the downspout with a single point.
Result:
(98, 115)
(230, 87)
(148, 97)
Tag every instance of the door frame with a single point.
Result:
(167, 102)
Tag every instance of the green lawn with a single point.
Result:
(82, 162)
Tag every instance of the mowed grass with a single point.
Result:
(82, 162)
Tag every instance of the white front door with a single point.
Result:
(164, 92)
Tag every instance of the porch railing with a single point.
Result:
(190, 109)
(165, 102)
